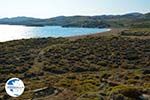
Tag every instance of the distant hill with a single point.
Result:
(21, 21)
(103, 21)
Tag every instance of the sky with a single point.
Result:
(53, 8)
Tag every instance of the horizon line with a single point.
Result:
(75, 15)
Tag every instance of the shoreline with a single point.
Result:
(113, 31)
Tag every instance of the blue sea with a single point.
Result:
(15, 32)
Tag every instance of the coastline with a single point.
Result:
(112, 32)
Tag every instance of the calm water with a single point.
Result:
(13, 32)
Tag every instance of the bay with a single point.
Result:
(15, 32)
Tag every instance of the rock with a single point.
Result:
(45, 91)
(102, 85)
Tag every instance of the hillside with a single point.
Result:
(21, 21)
(92, 68)
(103, 21)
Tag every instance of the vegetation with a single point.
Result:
(136, 32)
(93, 68)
